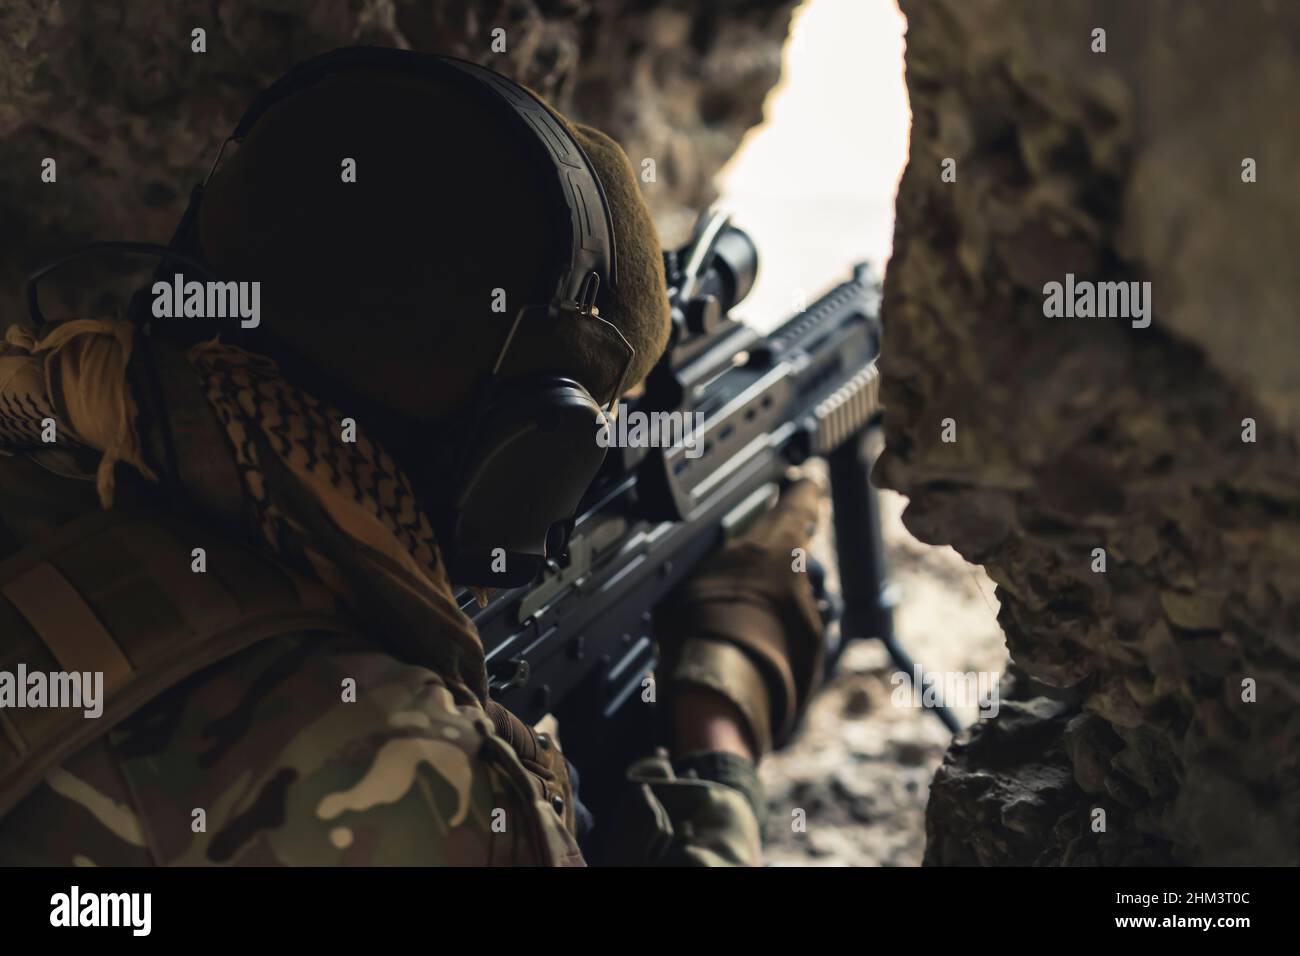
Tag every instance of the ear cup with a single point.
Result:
(527, 465)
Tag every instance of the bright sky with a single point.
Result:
(814, 185)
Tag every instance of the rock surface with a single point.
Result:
(1178, 667)
(859, 772)
(133, 117)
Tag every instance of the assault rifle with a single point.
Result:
(578, 641)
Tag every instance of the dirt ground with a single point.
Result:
(860, 769)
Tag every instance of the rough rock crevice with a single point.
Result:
(1074, 434)
(114, 93)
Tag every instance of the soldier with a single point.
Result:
(242, 534)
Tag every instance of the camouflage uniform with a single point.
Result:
(421, 768)
(287, 772)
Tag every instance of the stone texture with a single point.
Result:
(1075, 434)
(860, 768)
(1027, 786)
(112, 91)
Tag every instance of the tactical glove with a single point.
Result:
(541, 756)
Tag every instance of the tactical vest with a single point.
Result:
(114, 592)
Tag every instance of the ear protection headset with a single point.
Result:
(509, 474)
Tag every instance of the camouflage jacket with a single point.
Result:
(321, 749)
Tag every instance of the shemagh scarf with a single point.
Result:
(339, 511)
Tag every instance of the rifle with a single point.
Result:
(577, 642)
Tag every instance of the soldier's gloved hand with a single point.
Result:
(747, 627)
(541, 756)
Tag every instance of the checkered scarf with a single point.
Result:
(339, 511)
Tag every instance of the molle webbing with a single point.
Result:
(115, 592)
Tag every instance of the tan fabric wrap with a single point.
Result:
(723, 667)
(75, 373)
(750, 598)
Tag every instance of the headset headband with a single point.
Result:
(592, 254)
(482, 511)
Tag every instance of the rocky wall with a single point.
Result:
(115, 93)
(1166, 687)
